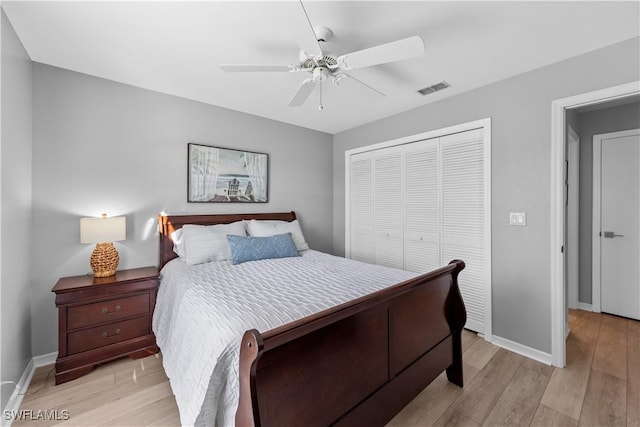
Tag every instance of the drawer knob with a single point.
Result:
(107, 335)
(106, 310)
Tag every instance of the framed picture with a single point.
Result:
(224, 175)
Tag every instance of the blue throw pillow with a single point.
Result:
(245, 249)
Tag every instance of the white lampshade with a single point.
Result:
(103, 230)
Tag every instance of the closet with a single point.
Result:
(418, 203)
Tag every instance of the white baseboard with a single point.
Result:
(522, 350)
(23, 384)
(584, 306)
(18, 394)
(45, 359)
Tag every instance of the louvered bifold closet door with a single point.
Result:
(387, 211)
(463, 217)
(361, 207)
(421, 206)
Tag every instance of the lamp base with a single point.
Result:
(104, 260)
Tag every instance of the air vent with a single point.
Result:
(434, 88)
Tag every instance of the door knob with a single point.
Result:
(611, 235)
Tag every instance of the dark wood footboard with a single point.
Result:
(358, 363)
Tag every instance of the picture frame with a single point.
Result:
(226, 175)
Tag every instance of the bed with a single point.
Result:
(358, 362)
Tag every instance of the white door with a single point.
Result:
(387, 207)
(422, 206)
(620, 223)
(464, 219)
(361, 207)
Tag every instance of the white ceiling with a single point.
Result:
(176, 47)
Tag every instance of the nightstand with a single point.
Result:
(102, 319)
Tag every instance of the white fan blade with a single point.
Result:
(394, 51)
(308, 40)
(303, 93)
(256, 68)
(358, 87)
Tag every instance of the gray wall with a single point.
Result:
(101, 146)
(591, 123)
(15, 213)
(520, 109)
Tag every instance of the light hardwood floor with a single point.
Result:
(599, 387)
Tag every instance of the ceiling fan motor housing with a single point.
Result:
(320, 73)
(326, 61)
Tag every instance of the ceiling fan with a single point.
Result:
(324, 66)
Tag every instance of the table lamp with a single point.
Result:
(103, 231)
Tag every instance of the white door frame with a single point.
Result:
(596, 246)
(573, 207)
(558, 131)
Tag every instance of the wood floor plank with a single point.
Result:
(110, 398)
(611, 351)
(160, 411)
(55, 397)
(147, 366)
(429, 405)
(148, 408)
(479, 353)
(171, 420)
(605, 401)
(481, 394)
(548, 417)
(453, 418)
(633, 373)
(468, 338)
(585, 327)
(43, 375)
(566, 389)
(106, 413)
(520, 400)
(433, 401)
(538, 367)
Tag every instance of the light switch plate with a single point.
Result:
(517, 218)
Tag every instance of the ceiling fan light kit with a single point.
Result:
(323, 65)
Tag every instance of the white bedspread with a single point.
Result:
(202, 311)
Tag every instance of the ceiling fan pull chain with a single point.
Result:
(320, 107)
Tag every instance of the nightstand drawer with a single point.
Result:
(107, 334)
(107, 311)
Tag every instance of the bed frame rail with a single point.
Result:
(358, 363)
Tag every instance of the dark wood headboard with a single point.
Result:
(167, 224)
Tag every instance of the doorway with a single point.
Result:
(559, 298)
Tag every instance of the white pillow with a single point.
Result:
(178, 243)
(268, 228)
(209, 243)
